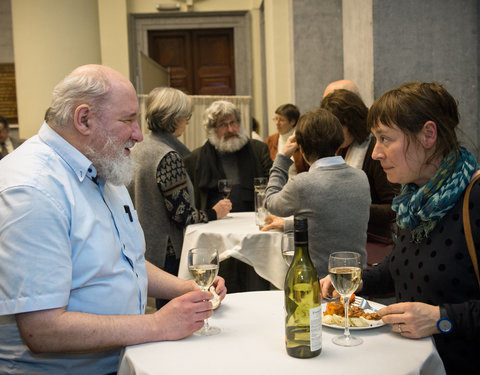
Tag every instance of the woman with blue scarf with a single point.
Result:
(429, 268)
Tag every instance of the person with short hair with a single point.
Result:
(74, 280)
(332, 195)
(286, 118)
(356, 150)
(430, 268)
(229, 154)
(7, 143)
(161, 189)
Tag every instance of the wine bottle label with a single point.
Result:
(316, 328)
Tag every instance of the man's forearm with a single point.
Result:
(61, 331)
(161, 284)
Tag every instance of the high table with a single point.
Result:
(252, 342)
(237, 236)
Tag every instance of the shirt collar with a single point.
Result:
(79, 163)
(286, 135)
(328, 161)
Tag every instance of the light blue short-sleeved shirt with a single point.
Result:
(65, 240)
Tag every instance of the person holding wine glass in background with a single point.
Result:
(332, 195)
(161, 190)
(430, 268)
(229, 154)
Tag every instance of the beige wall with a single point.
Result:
(113, 35)
(52, 37)
(278, 56)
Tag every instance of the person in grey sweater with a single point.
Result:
(162, 191)
(333, 196)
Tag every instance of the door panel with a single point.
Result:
(172, 49)
(213, 62)
(201, 61)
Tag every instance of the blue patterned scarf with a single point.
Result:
(420, 208)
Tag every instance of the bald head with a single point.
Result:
(341, 84)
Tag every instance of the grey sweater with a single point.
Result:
(148, 200)
(336, 201)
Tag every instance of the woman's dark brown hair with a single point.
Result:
(350, 110)
(411, 105)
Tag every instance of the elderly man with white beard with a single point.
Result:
(229, 153)
(73, 277)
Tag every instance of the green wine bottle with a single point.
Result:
(303, 318)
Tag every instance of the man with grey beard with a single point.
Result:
(229, 154)
(73, 276)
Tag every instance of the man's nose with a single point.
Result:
(137, 135)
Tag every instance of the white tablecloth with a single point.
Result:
(237, 236)
(252, 342)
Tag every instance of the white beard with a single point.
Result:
(230, 145)
(112, 164)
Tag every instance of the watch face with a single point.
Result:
(444, 325)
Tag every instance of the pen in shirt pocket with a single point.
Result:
(128, 212)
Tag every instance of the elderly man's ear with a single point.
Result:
(81, 119)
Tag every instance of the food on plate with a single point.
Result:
(335, 315)
(216, 298)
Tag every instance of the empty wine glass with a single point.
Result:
(225, 187)
(288, 247)
(345, 269)
(203, 265)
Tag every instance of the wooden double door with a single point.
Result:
(201, 61)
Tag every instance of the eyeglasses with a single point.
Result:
(224, 125)
(279, 119)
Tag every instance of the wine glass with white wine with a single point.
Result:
(203, 265)
(288, 247)
(345, 269)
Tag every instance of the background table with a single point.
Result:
(237, 236)
(252, 342)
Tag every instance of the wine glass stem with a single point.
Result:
(206, 326)
(347, 329)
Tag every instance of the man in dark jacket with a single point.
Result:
(229, 154)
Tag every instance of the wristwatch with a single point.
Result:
(444, 324)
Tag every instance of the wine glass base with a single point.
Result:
(211, 331)
(347, 340)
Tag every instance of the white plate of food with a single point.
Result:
(357, 322)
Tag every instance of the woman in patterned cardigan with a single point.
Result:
(162, 191)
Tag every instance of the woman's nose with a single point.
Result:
(377, 153)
